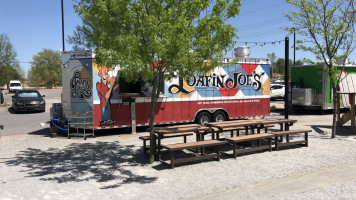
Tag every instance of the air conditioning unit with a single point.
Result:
(303, 96)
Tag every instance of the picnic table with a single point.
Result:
(258, 141)
(350, 115)
(252, 125)
(163, 132)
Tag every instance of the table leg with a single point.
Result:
(287, 138)
(338, 107)
(235, 147)
(198, 138)
(159, 148)
(252, 130)
(352, 107)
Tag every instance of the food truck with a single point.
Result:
(311, 85)
(104, 100)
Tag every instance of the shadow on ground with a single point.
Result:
(340, 130)
(103, 162)
(43, 131)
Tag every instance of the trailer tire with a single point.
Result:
(203, 118)
(219, 116)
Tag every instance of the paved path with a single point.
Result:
(290, 185)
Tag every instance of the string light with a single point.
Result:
(261, 43)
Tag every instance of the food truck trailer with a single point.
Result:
(312, 85)
(98, 98)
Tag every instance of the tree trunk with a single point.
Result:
(152, 119)
(333, 130)
(334, 89)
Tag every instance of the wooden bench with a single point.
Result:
(252, 138)
(287, 133)
(147, 138)
(201, 144)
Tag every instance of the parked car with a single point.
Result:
(277, 91)
(28, 100)
(15, 85)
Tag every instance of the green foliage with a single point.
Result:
(173, 35)
(279, 66)
(46, 69)
(152, 39)
(9, 66)
(328, 27)
(272, 57)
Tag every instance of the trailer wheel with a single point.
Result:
(219, 116)
(203, 118)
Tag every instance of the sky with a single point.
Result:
(36, 24)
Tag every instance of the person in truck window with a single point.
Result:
(104, 93)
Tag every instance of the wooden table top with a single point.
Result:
(182, 128)
(236, 123)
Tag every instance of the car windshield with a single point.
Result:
(15, 84)
(28, 94)
(274, 87)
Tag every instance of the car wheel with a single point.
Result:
(219, 116)
(203, 118)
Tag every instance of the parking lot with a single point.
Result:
(30, 122)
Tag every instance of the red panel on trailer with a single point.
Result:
(119, 113)
(187, 112)
(142, 113)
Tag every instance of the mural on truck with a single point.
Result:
(106, 92)
(243, 84)
(231, 91)
(77, 80)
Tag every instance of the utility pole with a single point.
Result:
(286, 79)
(62, 26)
(294, 46)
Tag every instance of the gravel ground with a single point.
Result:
(114, 167)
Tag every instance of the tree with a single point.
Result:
(152, 40)
(329, 29)
(272, 57)
(9, 65)
(46, 69)
(279, 67)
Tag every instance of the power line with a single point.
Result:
(263, 8)
(266, 22)
(267, 32)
